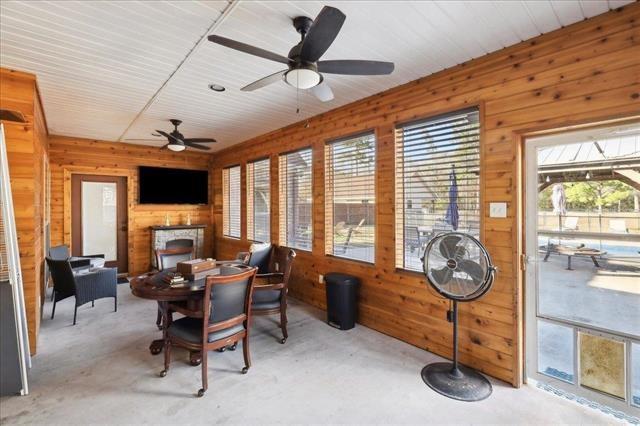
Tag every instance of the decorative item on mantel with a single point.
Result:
(188, 218)
(166, 220)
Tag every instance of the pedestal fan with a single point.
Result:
(459, 268)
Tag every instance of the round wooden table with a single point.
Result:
(152, 286)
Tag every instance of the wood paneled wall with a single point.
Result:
(73, 155)
(27, 153)
(583, 73)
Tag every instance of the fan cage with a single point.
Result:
(489, 273)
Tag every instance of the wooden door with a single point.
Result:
(99, 218)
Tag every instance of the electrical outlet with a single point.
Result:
(321, 279)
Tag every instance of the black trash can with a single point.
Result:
(342, 300)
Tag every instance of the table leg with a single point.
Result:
(595, 262)
(569, 263)
(156, 346)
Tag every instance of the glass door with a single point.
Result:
(99, 218)
(583, 264)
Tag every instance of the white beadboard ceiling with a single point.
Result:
(116, 70)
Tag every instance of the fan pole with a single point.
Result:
(455, 371)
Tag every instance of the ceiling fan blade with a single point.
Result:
(170, 137)
(196, 146)
(277, 76)
(323, 31)
(246, 48)
(356, 67)
(201, 140)
(323, 92)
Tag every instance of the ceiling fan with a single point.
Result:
(177, 141)
(304, 67)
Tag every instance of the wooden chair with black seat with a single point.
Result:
(272, 286)
(224, 319)
(169, 258)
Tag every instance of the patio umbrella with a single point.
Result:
(559, 201)
(452, 215)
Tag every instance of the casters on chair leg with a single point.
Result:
(245, 370)
(222, 349)
(201, 393)
(233, 347)
(283, 340)
(163, 373)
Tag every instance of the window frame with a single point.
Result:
(226, 205)
(250, 204)
(329, 213)
(283, 200)
(399, 217)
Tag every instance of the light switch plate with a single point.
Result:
(321, 278)
(497, 209)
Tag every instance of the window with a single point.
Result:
(296, 227)
(258, 207)
(231, 202)
(350, 203)
(435, 158)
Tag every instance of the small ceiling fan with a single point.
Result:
(177, 141)
(304, 66)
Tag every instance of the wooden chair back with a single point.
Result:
(282, 261)
(169, 258)
(227, 300)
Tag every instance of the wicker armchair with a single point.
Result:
(85, 287)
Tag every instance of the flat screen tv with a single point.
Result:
(160, 185)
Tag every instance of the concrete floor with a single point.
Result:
(100, 371)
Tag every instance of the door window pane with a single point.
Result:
(99, 219)
(589, 231)
(602, 364)
(555, 351)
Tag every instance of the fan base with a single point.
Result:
(468, 385)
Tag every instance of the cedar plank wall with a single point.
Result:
(26, 150)
(586, 72)
(74, 153)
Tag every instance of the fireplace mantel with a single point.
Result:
(160, 234)
(170, 227)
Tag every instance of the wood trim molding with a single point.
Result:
(68, 171)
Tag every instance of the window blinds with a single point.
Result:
(432, 156)
(350, 173)
(296, 227)
(231, 202)
(258, 206)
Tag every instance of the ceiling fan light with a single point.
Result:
(175, 147)
(302, 78)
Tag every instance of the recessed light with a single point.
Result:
(217, 87)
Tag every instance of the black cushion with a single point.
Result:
(265, 299)
(190, 329)
(265, 305)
